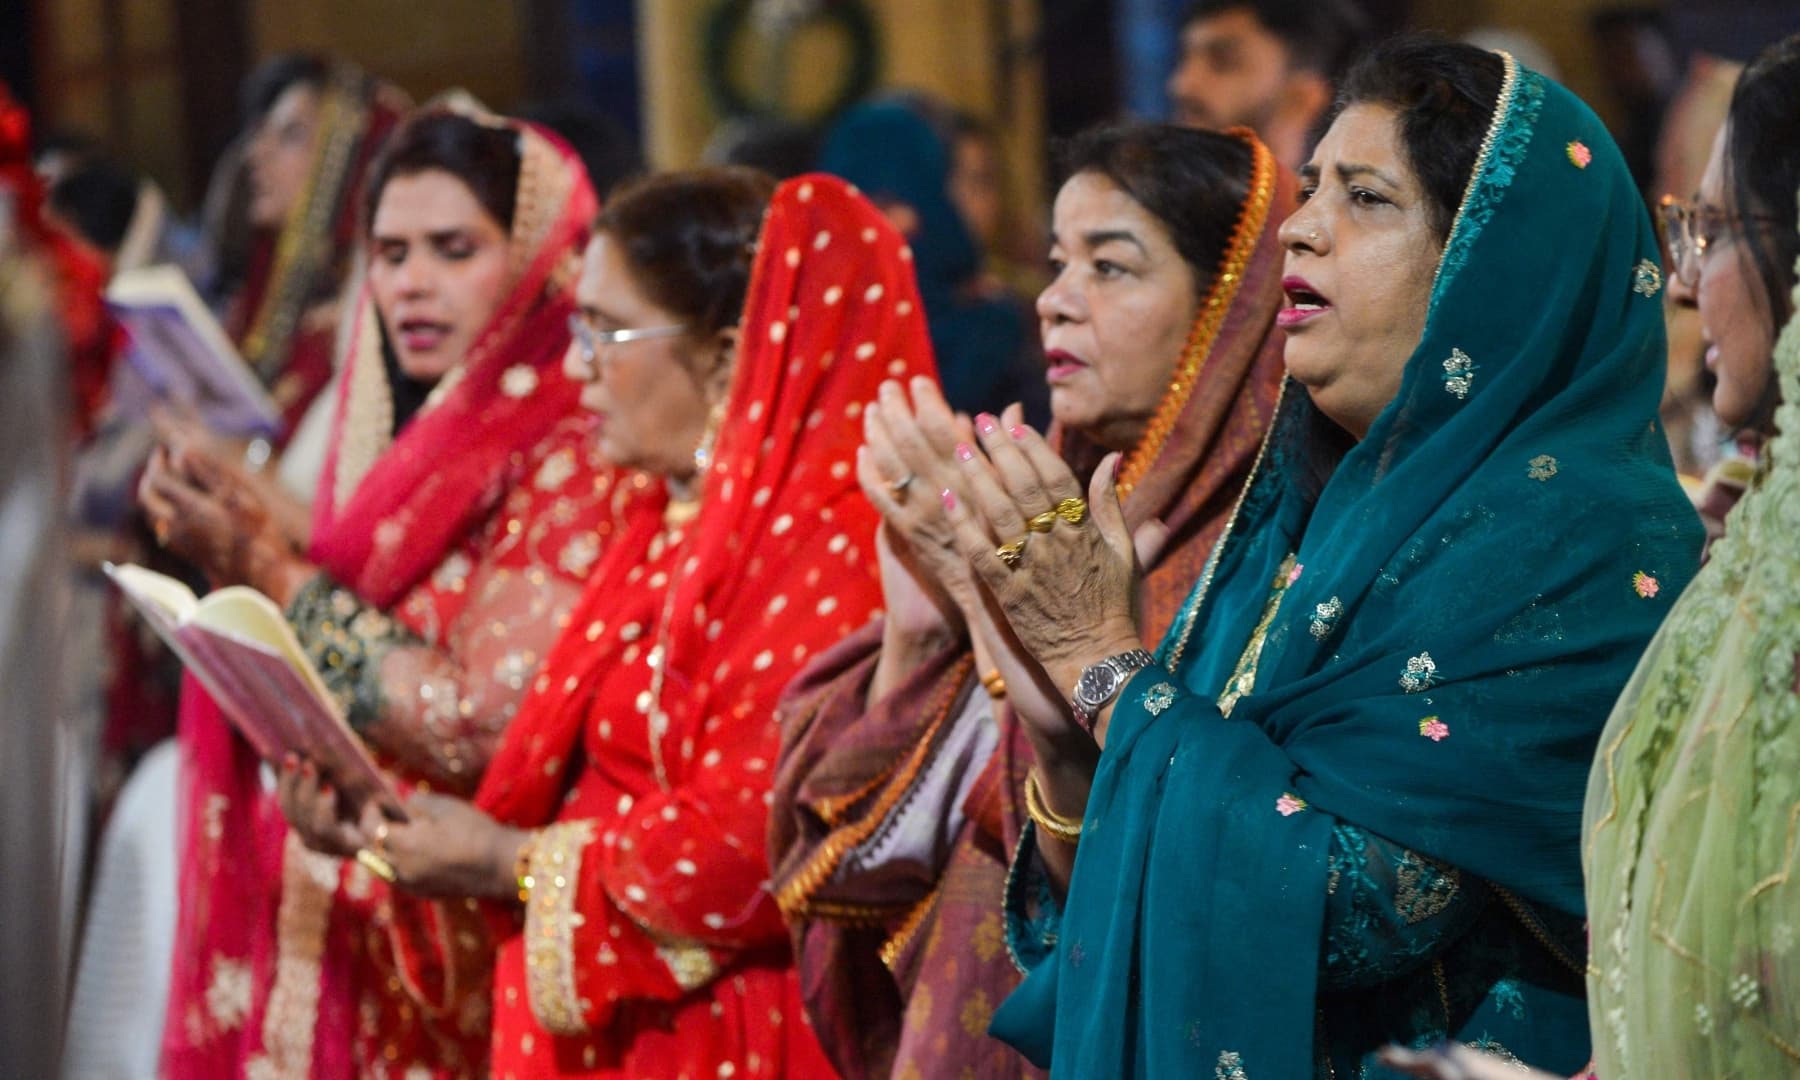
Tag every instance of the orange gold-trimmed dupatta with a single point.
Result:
(460, 541)
(651, 946)
(903, 961)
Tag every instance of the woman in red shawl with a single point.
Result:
(901, 790)
(463, 506)
(628, 805)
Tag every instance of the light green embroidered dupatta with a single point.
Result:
(1477, 580)
(1693, 812)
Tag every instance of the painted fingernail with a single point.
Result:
(986, 424)
(965, 452)
(1017, 431)
(949, 498)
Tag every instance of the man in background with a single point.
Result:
(1270, 65)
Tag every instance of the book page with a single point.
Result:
(176, 601)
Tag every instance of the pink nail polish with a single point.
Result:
(949, 498)
(964, 452)
(1017, 431)
(986, 424)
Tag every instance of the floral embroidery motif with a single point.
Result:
(1420, 674)
(1434, 729)
(1325, 617)
(1645, 585)
(1423, 887)
(1289, 804)
(1158, 698)
(580, 553)
(1745, 993)
(555, 471)
(1703, 1020)
(690, 965)
(1294, 574)
(1230, 1067)
(1459, 374)
(1541, 468)
(228, 993)
(1646, 279)
(1579, 154)
(519, 381)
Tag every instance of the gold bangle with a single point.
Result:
(522, 869)
(1066, 829)
(994, 684)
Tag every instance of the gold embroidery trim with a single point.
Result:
(1205, 332)
(1243, 677)
(795, 898)
(308, 886)
(1502, 109)
(550, 922)
(909, 929)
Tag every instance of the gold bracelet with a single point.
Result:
(522, 869)
(994, 685)
(1066, 829)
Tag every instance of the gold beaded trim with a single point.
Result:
(1502, 109)
(795, 898)
(550, 920)
(909, 929)
(1205, 332)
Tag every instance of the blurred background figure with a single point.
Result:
(902, 153)
(1269, 65)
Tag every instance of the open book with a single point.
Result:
(241, 648)
(181, 354)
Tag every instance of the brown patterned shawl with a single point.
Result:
(901, 974)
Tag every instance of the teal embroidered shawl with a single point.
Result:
(1478, 578)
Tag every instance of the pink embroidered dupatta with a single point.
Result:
(263, 983)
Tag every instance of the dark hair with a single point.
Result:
(1762, 167)
(1445, 93)
(689, 238)
(606, 149)
(1194, 182)
(1321, 36)
(98, 198)
(486, 159)
(272, 78)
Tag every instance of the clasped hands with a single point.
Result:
(991, 516)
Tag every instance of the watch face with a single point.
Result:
(1098, 683)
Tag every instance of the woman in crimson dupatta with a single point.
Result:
(628, 805)
(463, 505)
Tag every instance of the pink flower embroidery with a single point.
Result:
(1434, 729)
(1289, 805)
(1645, 585)
(1294, 574)
(1579, 154)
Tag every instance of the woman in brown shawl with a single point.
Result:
(901, 789)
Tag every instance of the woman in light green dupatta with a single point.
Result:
(1693, 813)
(1341, 807)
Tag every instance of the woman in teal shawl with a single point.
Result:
(1342, 805)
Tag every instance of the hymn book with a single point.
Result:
(180, 354)
(242, 649)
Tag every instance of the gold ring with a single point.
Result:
(1073, 511)
(897, 488)
(1012, 554)
(376, 865)
(1042, 523)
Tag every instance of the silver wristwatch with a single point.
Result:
(1101, 682)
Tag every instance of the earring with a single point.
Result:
(1313, 236)
(715, 416)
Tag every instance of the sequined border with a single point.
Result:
(1205, 332)
(309, 883)
(550, 921)
(1460, 236)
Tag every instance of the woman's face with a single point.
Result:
(975, 186)
(1117, 313)
(1734, 309)
(438, 268)
(280, 154)
(651, 394)
(1361, 255)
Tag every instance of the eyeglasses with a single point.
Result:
(1692, 226)
(590, 339)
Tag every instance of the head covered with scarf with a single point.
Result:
(1467, 593)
